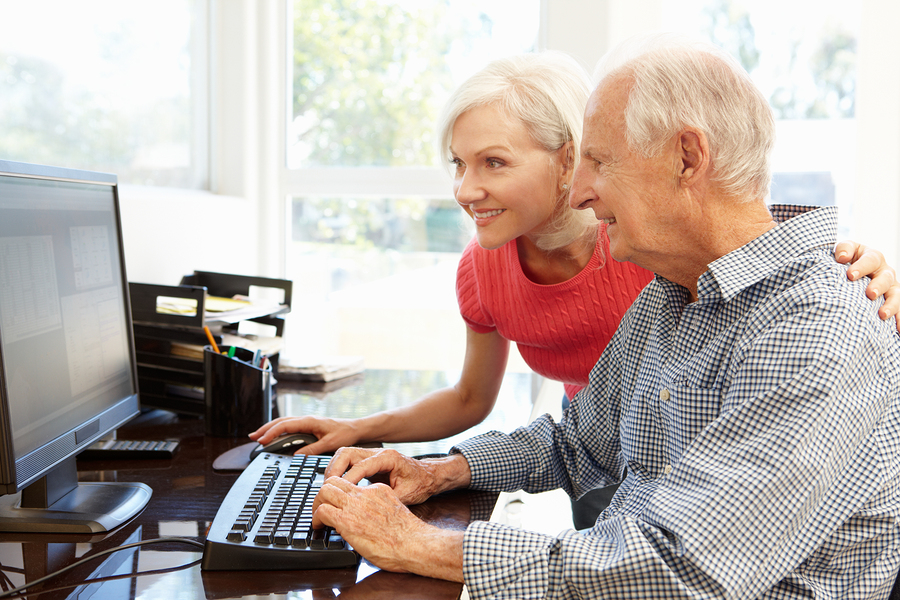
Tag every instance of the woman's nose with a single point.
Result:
(468, 189)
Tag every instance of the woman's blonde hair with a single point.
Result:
(546, 92)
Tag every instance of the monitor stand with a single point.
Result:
(58, 503)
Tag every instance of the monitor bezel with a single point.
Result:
(17, 472)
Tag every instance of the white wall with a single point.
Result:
(876, 214)
(248, 76)
(169, 233)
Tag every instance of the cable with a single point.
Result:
(98, 580)
(30, 584)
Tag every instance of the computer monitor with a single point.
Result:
(68, 373)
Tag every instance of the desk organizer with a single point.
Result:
(238, 394)
(170, 346)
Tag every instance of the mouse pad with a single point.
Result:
(235, 459)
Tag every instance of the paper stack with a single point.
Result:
(321, 369)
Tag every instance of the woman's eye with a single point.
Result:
(494, 163)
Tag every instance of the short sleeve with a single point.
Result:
(467, 292)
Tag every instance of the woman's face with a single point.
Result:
(508, 184)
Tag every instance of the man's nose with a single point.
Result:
(580, 192)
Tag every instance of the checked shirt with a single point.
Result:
(760, 428)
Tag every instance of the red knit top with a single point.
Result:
(560, 329)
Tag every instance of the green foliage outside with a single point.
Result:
(47, 119)
(369, 78)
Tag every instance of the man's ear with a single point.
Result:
(693, 156)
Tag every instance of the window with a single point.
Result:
(802, 55)
(105, 85)
(375, 232)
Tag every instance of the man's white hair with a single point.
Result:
(680, 82)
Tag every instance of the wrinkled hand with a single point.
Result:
(864, 261)
(332, 433)
(378, 526)
(411, 481)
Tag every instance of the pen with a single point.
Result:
(212, 340)
(231, 351)
(257, 358)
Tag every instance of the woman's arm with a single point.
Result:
(436, 415)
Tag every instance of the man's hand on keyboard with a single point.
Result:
(412, 481)
(378, 526)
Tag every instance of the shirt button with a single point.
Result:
(668, 470)
(664, 395)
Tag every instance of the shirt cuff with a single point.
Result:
(506, 562)
(495, 462)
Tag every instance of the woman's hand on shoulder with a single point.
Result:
(863, 261)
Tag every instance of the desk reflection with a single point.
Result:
(187, 492)
(377, 390)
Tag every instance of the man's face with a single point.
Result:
(635, 196)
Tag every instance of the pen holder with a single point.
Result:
(238, 395)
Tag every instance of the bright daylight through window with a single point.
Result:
(104, 85)
(369, 79)
(803, 57)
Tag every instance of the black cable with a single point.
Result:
(133, 575)
(30, 584)
(5, 582)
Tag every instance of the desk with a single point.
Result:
(186, 494)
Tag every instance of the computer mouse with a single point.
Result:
(285, 444)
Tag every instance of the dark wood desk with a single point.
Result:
(187, 492)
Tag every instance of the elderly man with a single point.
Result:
(751, 391)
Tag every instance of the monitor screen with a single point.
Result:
(67, 363)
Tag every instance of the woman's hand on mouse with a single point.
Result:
(332, 433)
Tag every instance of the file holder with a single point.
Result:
(238, 395)
(170, 346)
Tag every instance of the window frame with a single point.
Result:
(250, 108)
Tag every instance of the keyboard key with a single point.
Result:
(335, 541)
(317, 539)
(264, 537)
(236, 535)
(282, 537)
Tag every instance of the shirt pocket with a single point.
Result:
(684, 411)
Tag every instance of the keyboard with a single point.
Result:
(265, 520)
(129, 449)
